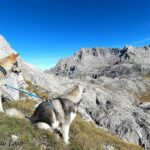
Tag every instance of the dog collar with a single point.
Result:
(3, 70)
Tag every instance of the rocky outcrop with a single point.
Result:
(113, 105)
(114, 79)
(48, 82)
(110, 62)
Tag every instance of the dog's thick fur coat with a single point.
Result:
(7, 64)
(61, 116)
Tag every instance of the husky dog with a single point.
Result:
(59, 112)
(7, 65)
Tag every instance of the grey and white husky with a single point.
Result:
(59, 112)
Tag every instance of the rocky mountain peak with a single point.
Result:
(110, 62)
(5, 47)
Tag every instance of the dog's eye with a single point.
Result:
(16, 63)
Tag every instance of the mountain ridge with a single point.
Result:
(104, 62)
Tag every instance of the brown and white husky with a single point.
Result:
(7, 65)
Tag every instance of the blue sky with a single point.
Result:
(43, 31)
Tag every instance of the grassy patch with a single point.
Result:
(147, 77)
(26, 106)
(83, 136)
(30, 137)
(32, 88)
(144, 97)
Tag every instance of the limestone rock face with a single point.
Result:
(110, 62)
(115, 79)
(48, 82)
(114, 105)
(5, 48)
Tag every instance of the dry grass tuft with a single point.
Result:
(144, 97)
(85, 136)
(26, 106)
(32, 88)
(147, 77)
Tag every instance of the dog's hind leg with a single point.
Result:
(66, 126)
(55, 123)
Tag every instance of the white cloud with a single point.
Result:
(141, 41)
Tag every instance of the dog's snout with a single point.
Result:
(16, 70)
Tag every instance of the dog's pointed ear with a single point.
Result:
(78, 84)
(17, 54)
(12, 56)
